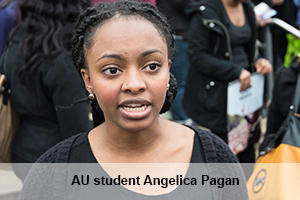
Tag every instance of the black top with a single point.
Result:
(81, 151)
(239, 37)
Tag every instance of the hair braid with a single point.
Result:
(87, 23)
(97, 113)
(93, 17)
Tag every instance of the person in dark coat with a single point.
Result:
(283, 92)
(42, 78)
(221, 49)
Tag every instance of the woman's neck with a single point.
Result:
(111, 139)
(231, 3)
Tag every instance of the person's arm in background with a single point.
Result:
(66, 87)
(200, 38)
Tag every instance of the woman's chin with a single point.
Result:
(135, 126)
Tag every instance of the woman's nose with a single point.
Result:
(133, 82)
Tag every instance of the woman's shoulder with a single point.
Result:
(215, 149)
(287, 71)
(208, 8)
(60, 152)
(284, 77)
(47, 178)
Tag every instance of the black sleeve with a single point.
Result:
(201, 58)
(66, 87)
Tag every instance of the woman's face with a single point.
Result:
(128, 71)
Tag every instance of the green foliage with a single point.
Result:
(293, 48)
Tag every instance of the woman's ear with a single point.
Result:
(87, 80)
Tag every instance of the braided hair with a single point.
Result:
(90, 20)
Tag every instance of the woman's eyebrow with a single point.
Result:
(120, 57)
(146, 53)
(115, 56)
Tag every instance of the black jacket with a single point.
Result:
(44, 123)
(283, 93)
(205, 98)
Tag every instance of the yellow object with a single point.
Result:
(276, 176)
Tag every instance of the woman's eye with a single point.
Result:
(111, 71)
(153, 67)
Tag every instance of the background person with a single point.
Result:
(41, 76)
(283, 92)
(221, 49)
(174, 11)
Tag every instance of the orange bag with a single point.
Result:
(276, 173)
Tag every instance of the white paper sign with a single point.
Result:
(243, 103)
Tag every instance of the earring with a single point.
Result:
(168, 86)
(91, 96)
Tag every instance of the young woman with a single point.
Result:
(123, 52)
(221, 49)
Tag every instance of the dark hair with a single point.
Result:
(94, 17)
(48, 25)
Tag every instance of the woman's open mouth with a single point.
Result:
(135, 108)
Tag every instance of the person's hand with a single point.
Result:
(263, 66)
(245, 79)
(260, 22)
